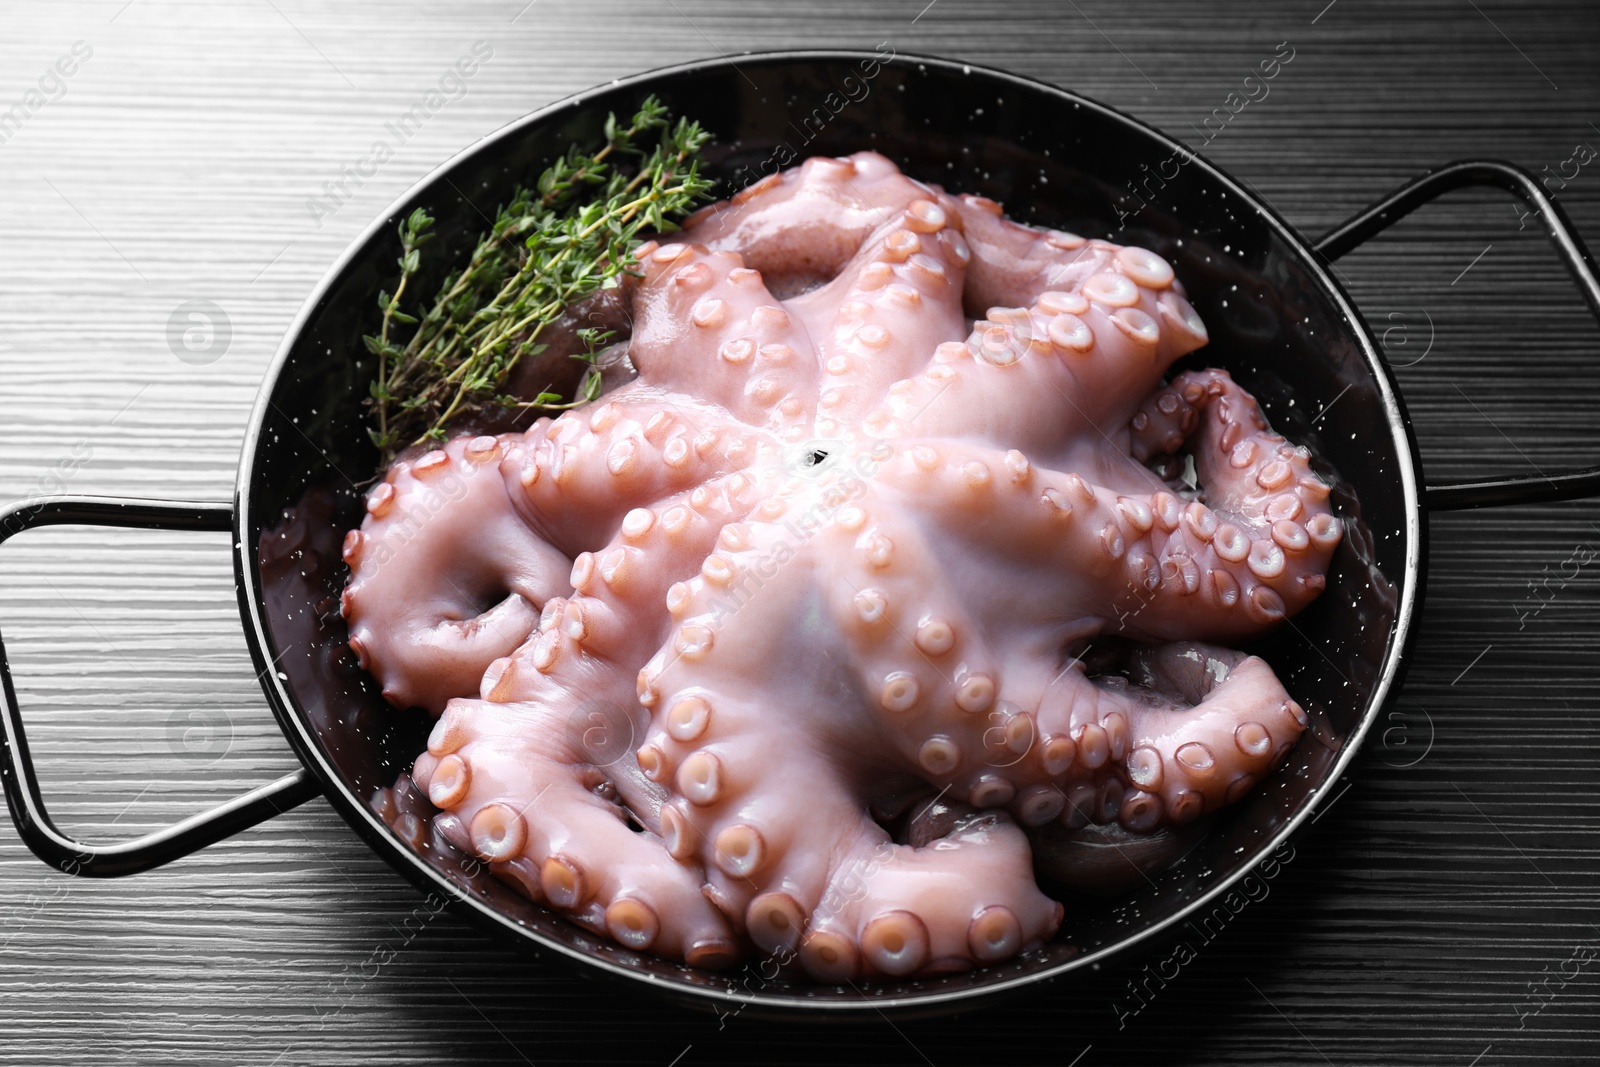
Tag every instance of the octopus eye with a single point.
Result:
(816, 456)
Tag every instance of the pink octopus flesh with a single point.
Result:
(839, 545)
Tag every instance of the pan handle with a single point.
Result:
(16, 765)
(1564, 485)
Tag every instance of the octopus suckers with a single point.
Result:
(1111, 541)
(688, 718)
(1094, 746)
(870, 605)
(654, 765)
(431, 462)
(563, 882)
(740, 850)
(380, 500)
(1231, 543)
(900, 692)
(613, 567)
(975, 693)
(637, 523)
(449, 733)
(498, 832)
(1136, 513)
(1253, 739)
(675, 519)
(545, 651)
(874, 276)
(1140, 813)
(1057, 755)
(935, 636)
(924, 216)
(896, 943)
(1056, 302)
(1144, 769)
(1145, 267)
(873, 336)
(829, 956)
(709, 313)
(621, 456)
(939, 756)
(901, 245)
(770, 315)
(1056, 501)
(1227, 588)
(878, 549)
(1285, 507)
(994, 934)
(700, 778)
(1266, 559)
(450, 782)
(693, 640)
(633, 923)
(1324, 530)
(991, 791)
(1040, 804)
(717, 569)
(850, 518)
(994, 346)
(1274, 475)
(694, 276)
(1138, 326)
(1113, 290)
(775, 921)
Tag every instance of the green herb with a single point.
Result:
(574, 232)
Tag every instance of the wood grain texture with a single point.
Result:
(1441, 911)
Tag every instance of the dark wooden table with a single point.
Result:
(1441, 910)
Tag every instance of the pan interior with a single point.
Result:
(1050, 159)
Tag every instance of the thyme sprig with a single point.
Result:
(551, 245)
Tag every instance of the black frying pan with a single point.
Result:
(1279, 323)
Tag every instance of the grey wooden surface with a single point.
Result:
(1442, 910)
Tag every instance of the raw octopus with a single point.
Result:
(837, 550)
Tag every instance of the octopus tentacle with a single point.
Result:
(823, 876)
(799, 227)
(1147, 563)
(964, 900)
(889, 308)
(1259, 538)
(706, 321)
(520, 794)
(444, 575)
(1205, 725)
(1013, 263)
(577, 476)
(1074, 363)
(558, 722)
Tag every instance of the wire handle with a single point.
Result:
(1452, 496)
(20, 781)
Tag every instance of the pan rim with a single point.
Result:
(376, 834)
